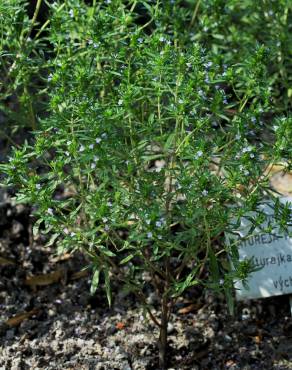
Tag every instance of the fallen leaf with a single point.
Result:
(19, 318)
(79, 275)
(191, 308)
(45, 279)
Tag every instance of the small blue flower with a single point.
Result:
(198, 154)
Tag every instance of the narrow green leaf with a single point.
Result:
(148, 7)
(229, 300)
(52, 239)
(107, 287)
(95, 281)
(214, 269)
(127, 259)
(169, 141)
(106, 251)
(36, 226)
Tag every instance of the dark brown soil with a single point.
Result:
(64, 327)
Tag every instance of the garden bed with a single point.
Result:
(64, 327)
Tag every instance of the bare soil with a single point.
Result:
(49, 320)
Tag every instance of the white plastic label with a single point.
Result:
(272, 253)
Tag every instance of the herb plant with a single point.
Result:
(232, 30)
(22, 65)
(160, 147)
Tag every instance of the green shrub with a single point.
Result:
(22, 65)
(232, 29)
(161, 147)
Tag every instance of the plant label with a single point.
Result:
(271, 254)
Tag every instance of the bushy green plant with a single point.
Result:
(232, 29)
(159, 146)
(22, 64)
